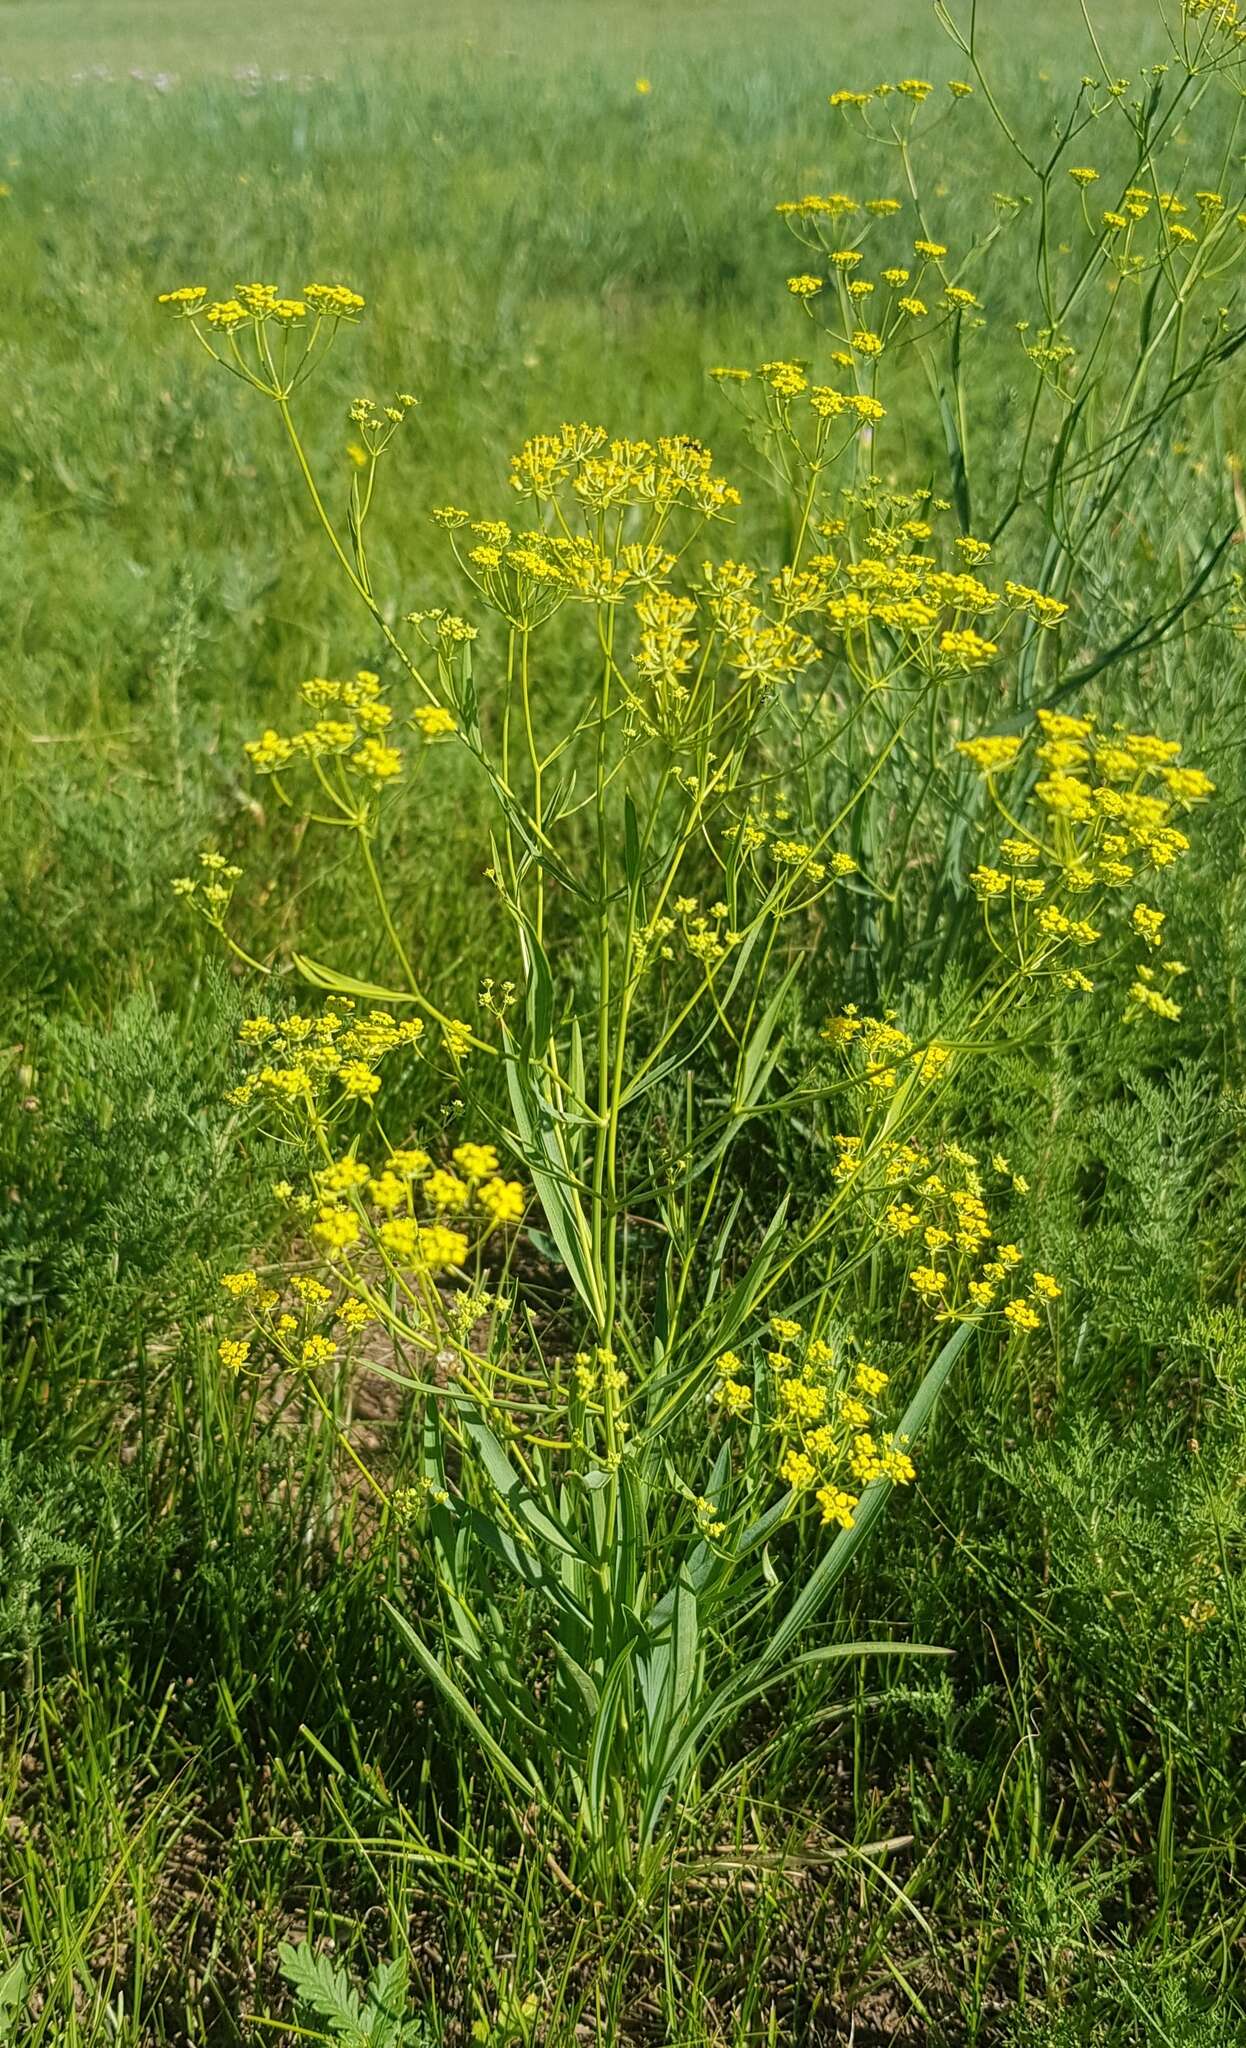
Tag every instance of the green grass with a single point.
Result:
(212, 1740)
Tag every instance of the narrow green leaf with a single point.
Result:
(541, 1146)
(631, 841)
(528, 1567)
(760, 1673)
(539, 990)
(447, 1536)
(320, 976)
(759, 1055)
(734, 1312)
(580, 1679)
(511, 1489)
(603, 1730)
(685, 1643)
(456, 1698)
(466, 701)
(675, 1062)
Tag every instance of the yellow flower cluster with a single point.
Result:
(780, 383)
(818, 1412)
(916, 90)
(585, 465)
(433, 721)
(212, 891)
(377, 424)
(665, 655)
(932, 613)
(408, 1217)
(706, 938)
(881, 1053)
(762, 650)
(1117, 227)
(1105, 805)
(929, 1203)
(818, 1405)
(309, 1063)
(294, 1328)
(1218, 16)
(526, 575)
(347, 736)
(768, 842)
(832, 206)
(260, 303)
(827, 227)
(402, 1209)
(892, 612)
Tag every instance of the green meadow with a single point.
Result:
(265, 1632)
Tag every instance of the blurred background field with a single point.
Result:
(56, 39)
(207, 1735)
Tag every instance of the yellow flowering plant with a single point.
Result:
(637, 1397)
(1126, 319)
(587, 1466)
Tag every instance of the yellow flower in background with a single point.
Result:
(475, 1162)
(503, 1201)
(445, 1190)
(440, 1246)
(433, 721)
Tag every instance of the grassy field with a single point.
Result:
(226, 1771)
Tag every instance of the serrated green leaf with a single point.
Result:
(387, 2004)
(324, 1987)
